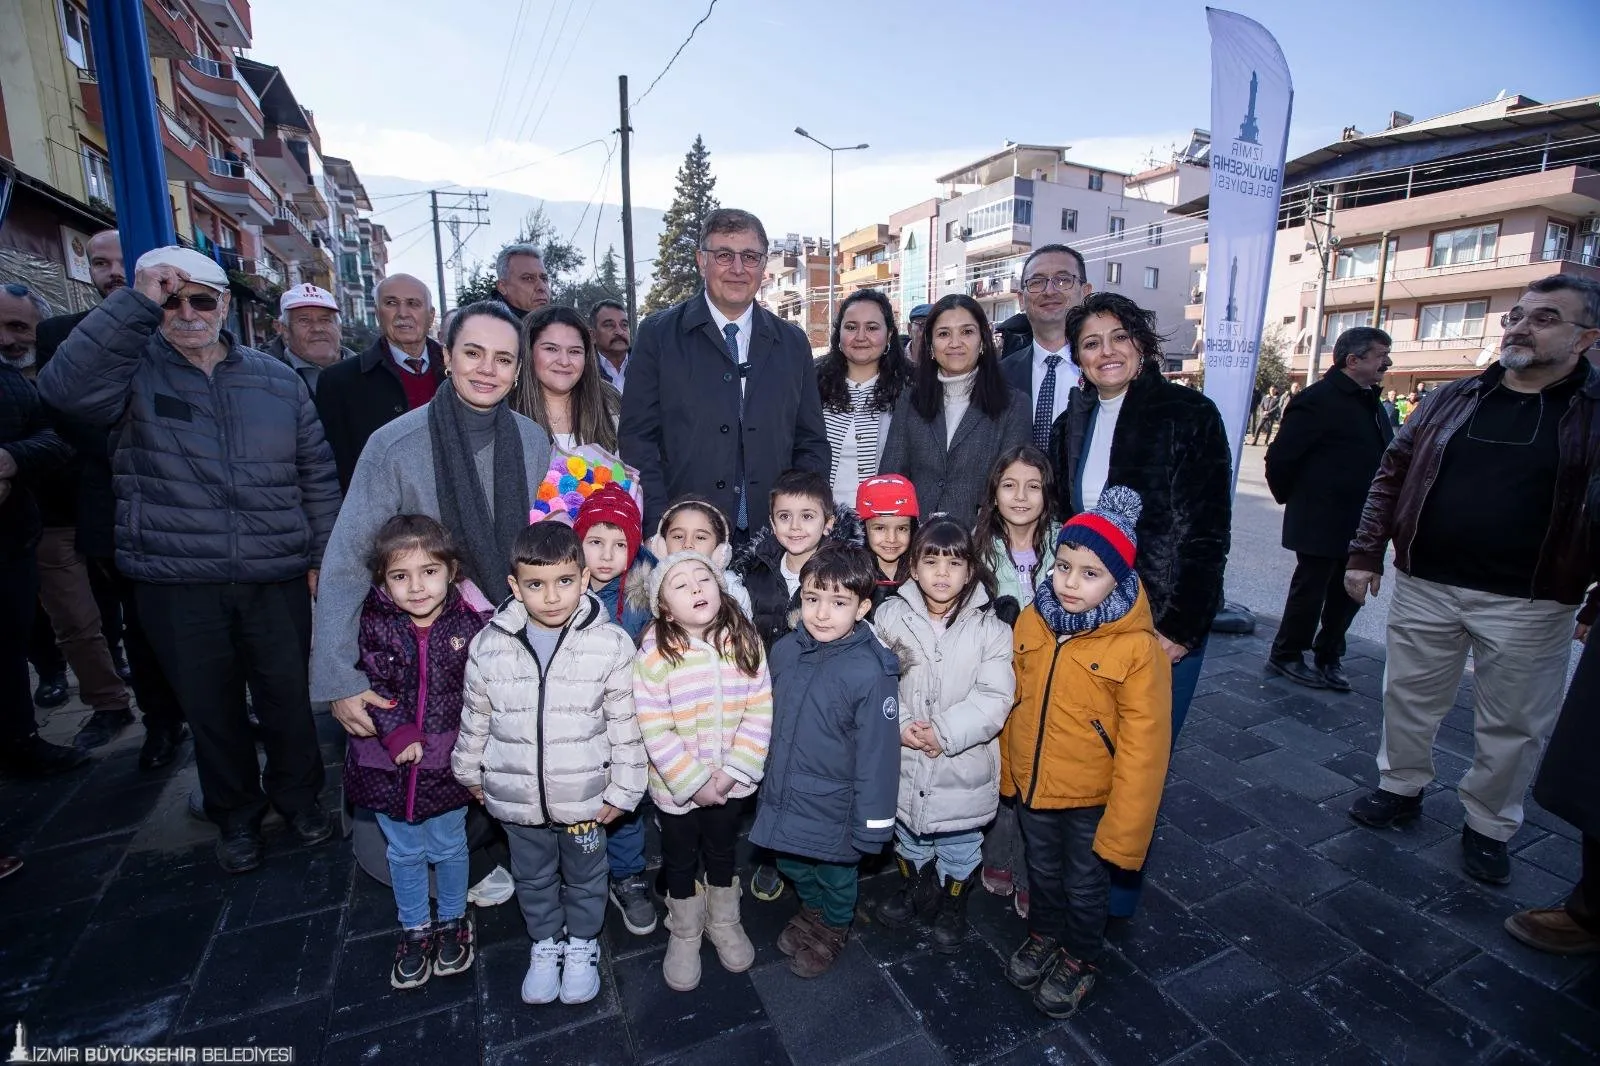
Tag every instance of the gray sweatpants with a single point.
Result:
(561, 879)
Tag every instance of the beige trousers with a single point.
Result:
(1520, 650)
(69, 601)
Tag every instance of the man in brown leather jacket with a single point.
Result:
(1482, 495)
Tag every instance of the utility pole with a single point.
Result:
(456, 259)
(1383, 269)
(626, 133)
(438, 250)
(476, 207)
(1326, 245)
(833, 273)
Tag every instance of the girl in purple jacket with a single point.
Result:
(415, 630)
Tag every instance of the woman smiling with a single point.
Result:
(860, 379)
(561, 388)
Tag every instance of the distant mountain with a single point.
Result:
(396, 204)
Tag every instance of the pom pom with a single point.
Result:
(567, 484)
(576, 466)
(546, 491)
(602, 475)
(572, 500)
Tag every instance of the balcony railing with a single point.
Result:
(1500, 263)
(178, 128)
(210, 67)
(286, 215)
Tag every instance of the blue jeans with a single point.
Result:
(1126, 885)
(625, 844)
(957, 854)
(440, 840)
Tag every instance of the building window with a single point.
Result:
(1097, 181)
(1471, 244)
(952, 230)
(1069, 220)
(97, 176)
(1361, 261)
(1117, 226)
(1452, 321)
(75, 36)
(1557, 239)
(992, 218)
(1113, 273)
(1152, 277)
(1343, 320)
(1152, 235)
(1295, 258)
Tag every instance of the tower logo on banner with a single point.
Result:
(1250, 92)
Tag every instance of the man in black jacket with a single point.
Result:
(1039, 364)
(722, 394)
(1319, 466)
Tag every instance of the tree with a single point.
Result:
(677, 277)
(1272, 367)
(561, 260)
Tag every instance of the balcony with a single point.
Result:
(279, 161)
(1454, 279)
(185, 157)
(287, 235)
(222, 91)
(863, 239)
(235, 186)
(228, 20)
(1007, 240)
(89, 93)
(865, 276)
(166, 33)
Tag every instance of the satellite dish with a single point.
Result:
(1486, 356)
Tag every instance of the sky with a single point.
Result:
(488, 93)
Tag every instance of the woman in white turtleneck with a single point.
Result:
(958, 414)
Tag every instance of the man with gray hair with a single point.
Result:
(521, 281)
(308, 333)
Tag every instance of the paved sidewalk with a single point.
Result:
(1273, 930)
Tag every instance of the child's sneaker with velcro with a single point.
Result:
(542, 984)
(453, 944)
(413, 958)
(580, 973)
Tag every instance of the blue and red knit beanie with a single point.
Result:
(1107, 529)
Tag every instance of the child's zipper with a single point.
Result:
(422, 711)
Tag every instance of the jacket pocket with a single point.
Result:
(819, 809)
(1105, 738)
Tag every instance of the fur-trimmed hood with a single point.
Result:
(764, 549)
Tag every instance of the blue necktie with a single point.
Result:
(1044, 411)
(730, 334)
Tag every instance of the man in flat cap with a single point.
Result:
(226, 495)
(308, 333)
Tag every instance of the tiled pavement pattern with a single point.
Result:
(1273, 930)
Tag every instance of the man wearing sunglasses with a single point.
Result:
(1053, 283)
(226, 495)
(1482, 495)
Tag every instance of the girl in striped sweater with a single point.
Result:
(704, 703)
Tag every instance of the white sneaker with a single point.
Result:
(580, 976)
(495, 888)
(543, 982)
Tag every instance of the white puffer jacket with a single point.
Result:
(960, 679)
(551, 749)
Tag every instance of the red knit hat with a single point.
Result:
(612, 505)
(886, 496)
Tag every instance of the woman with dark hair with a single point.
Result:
(560, 387)
(1126, 424)
(958, 415)
(860, 379)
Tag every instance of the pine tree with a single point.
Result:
(676, 276)
(608, 275)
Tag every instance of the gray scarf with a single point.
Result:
(485, 541)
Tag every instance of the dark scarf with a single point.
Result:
(1064, 623)
(463, 503)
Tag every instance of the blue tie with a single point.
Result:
(1044, 410)
(730, 334)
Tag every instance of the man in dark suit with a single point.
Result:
(722, 394)
(398, 373)
(1319, 467)
(1054, 281)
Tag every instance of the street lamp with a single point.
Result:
(832, 271)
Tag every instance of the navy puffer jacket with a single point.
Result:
(219, 479)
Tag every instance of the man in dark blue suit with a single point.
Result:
(1054, 281)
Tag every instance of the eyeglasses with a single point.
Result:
(199, 301)
(15, 288)
(1040, 282)
(724, 257)
(1540, 319)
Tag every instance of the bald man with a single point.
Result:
(398, 373)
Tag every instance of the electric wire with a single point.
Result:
(675, 55)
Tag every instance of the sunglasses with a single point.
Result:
(199, 301)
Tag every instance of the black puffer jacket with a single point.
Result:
(1169, 447)
(25, 433)
(759, 566)
(219, 479)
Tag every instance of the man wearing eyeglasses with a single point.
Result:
(1053, 283)
(226, 496)
(722, 394)
(1482, 495)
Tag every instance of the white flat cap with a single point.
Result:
(202, 269)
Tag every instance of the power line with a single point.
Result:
(505, 69)
(676, 54)
(572, 47)
(544, 72)
(533, 63)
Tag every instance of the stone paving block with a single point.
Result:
(1357, 765)
(302, 1026)
(141, 1021)
(1327, 712)
(1211, 1053)
(1297, 774)
(1225, 738)
(920, 1050)
(263, 967)
(505, 1019)
(1506, 1055)
(1479, 917)
(664, 1022)
(1130, 1020)
(28, 805)
(294, 882)
(1186, 869)
(1535, 815)
(363, 998)
(1370, 856)
(150, 881)
(757, 1045)
(1395, 1018)
(167, 946)
(991, 916)
(599, 1043)
(33, 945)
(438, 1037)
(970, 1011)
(1393, 933)
(1163, 938)
(1287, 868)
(72, 872)
(851, 1011)
(1056, 1047)
(1556, 855)
(91, 813)
(1293, 815)
(1257, 1016)
(1547, 1025)
(1531, 886)
(1274, 932)
(1206, 819)
(1301, 739)
(887, 945)
(1362, 736)
(1218, 775)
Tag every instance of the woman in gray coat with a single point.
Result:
(958, 414)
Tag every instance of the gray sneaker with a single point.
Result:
(631, 896)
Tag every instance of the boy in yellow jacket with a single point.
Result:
(1085, 748)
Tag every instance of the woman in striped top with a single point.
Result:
(704, 703)
(859, 379)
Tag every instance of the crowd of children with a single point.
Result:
(990, 698)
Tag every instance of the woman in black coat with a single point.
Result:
(958, 415)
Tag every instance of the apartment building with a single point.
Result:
(795, 285)
(914, 258)
(864, 256)
(1472, 205)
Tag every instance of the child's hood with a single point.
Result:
(765, 551)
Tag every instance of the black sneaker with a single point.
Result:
(239, 851)
(1029, 963)
(1295, 669)
(1384, 810)
(1484, 858)
(1333, 676)
(34, 756)
(1061, 993)
(102, 728)
(453, 943)
(51, 693)
(631, 896)
(119, 662)
(161, 744)
(311, 826)
(413, 958)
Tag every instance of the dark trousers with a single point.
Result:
(1264, 425)
(19, 598)
(211, 640)
(151, 689)
(1067, 882)
(1584, 903)
(43, 653)
(705, 835)
(829, 887)
(1316, 592)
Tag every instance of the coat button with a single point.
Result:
(724, 429)
(722, 484)
(1094, 666)
(728, 376)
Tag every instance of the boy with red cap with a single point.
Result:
(1085, 749)
(887, 506)
(609, 526)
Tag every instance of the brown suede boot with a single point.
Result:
(686, 921)
(734, 949)
(817, 956)
(798, 932)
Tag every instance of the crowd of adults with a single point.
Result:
(199, 503)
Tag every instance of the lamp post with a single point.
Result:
(832, 270)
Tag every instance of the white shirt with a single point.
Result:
(399, 356)
(565, 441)
(614, 374)
(1067, 375)
(1097, 463)
(790, 578)
(745, 322)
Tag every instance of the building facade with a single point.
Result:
(795, 285)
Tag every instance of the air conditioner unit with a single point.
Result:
(1590, 226)
(966, 233)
